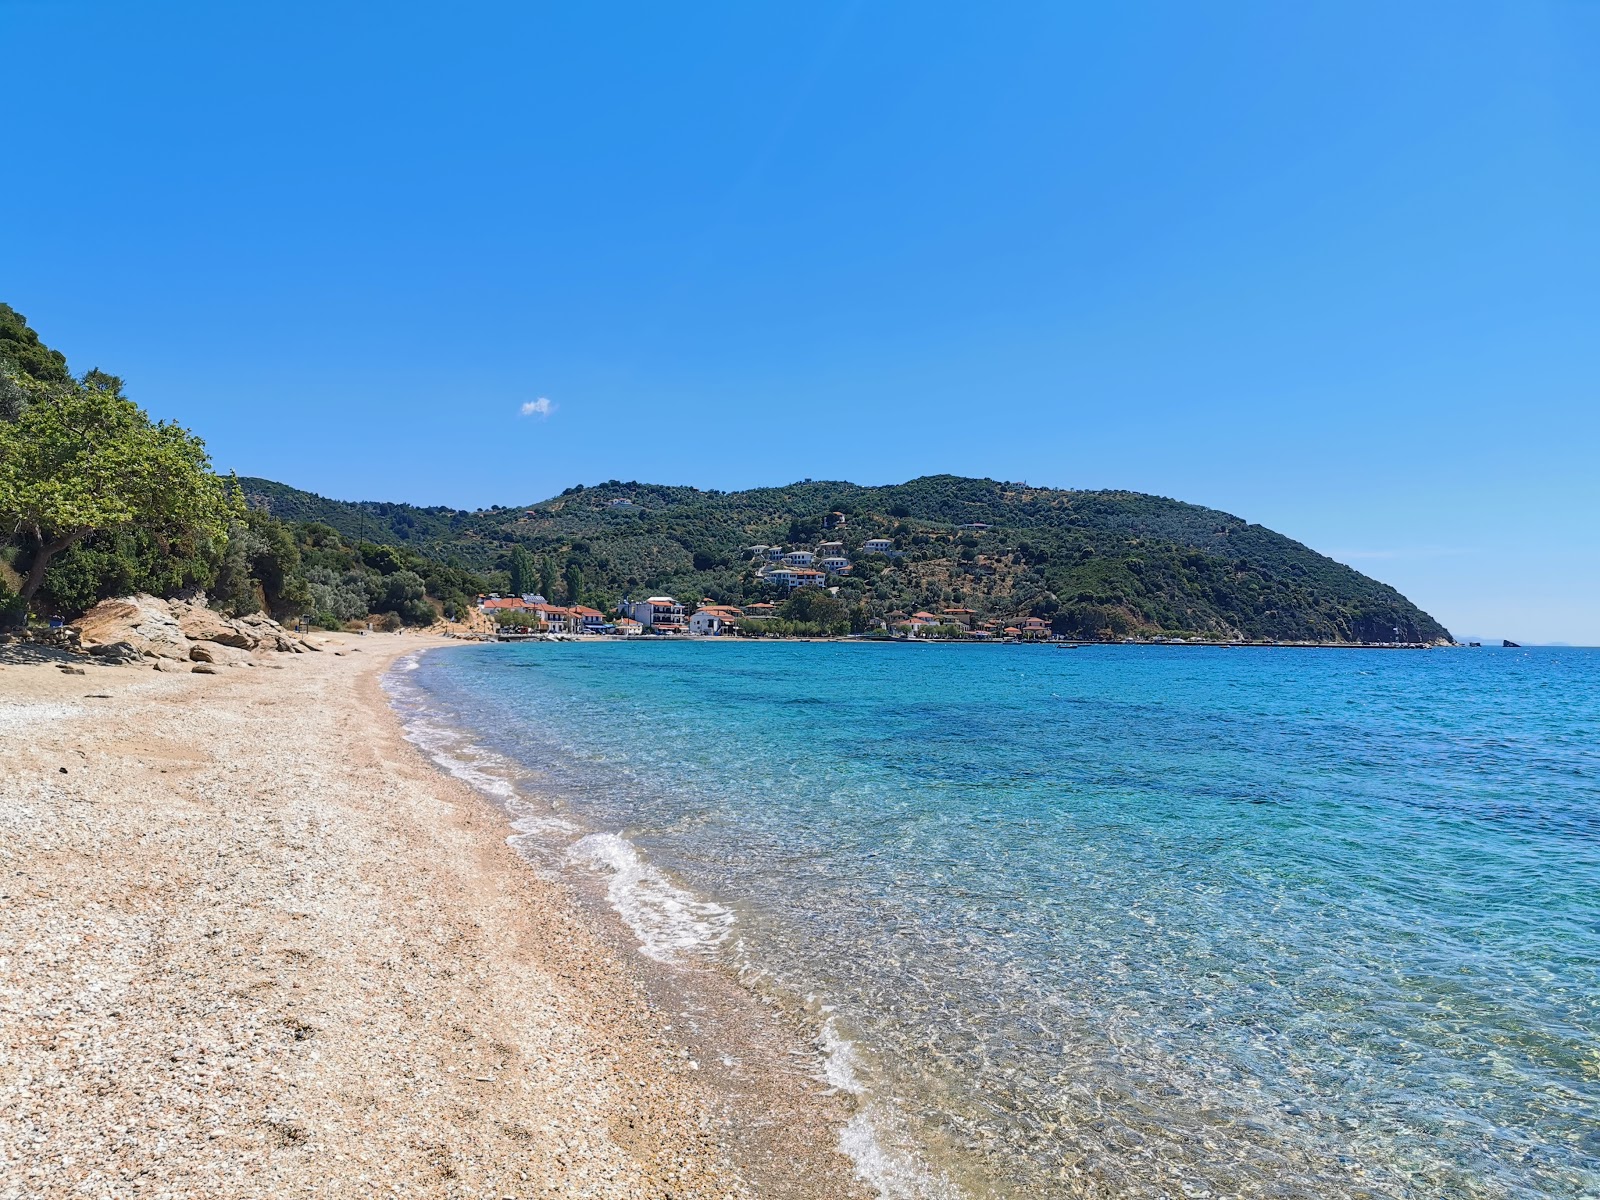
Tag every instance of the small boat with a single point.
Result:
(1507, 645)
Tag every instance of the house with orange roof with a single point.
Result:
(714, 620)
(658, 614)
(588, 620)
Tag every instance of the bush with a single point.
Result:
(335, 598)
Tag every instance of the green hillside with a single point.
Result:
(1095, 564)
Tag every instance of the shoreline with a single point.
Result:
(258, 945)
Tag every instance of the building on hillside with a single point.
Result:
(774, 553)
(834, 520)
(794, 577)
(761, 611)
(799, 558)
(975, 527)
(659, 614)
(877, 546)
(759, 550)
(824, 549)
(835, 564)
(1033, 628)
(961, 616)
(628, 627)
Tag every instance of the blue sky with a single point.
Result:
(1334, 268)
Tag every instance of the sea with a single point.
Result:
(1107, 921)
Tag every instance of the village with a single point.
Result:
(787, 570)
(515, 618)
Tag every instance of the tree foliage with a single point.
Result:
(82, 459)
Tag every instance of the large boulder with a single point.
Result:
(116, 652)
(219, 653)
(143, 621)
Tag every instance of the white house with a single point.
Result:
(660, 613)
(799, 558)
(835, 564)
(877, 545)
(774, 553)
(714, 620)
(793, 577)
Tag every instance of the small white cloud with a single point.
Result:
(538, 408)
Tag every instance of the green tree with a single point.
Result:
(21, 345)
(522, 570)
(81, 458)
(813, 606)
(547, 578)
(573, 579)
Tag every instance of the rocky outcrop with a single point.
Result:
(143, 621)
(180, 631)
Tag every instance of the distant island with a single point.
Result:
(1094, 565)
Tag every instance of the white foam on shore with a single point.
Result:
(672, 925)
(487, 773)
(669, 922)
(874, 1139)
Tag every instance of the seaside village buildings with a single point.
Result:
(785, 569)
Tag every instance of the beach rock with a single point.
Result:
(116, 653)
(170, 664)
(203, 668)
(205, 625)
(143, 621)
(218, 653)
(68, 669)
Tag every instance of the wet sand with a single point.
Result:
(255, 944)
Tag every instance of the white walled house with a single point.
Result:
(877, 545)
(660, 613)
(799, 558)
(793, 577)
(836, 564)
(714, 620)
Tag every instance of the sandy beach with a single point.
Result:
(255, 944)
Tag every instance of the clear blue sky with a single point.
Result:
(1332, 267)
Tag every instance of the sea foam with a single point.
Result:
(670, 922)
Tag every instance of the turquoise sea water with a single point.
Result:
(1113, 921)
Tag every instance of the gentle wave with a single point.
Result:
(671, 924)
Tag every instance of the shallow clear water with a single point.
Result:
(1114, 921)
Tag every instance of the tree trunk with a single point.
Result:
(41, 560)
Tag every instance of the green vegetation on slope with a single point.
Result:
(97, 500)
(1095, 564)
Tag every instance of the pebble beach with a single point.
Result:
(254, 944)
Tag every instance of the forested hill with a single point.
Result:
(1093, 563)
